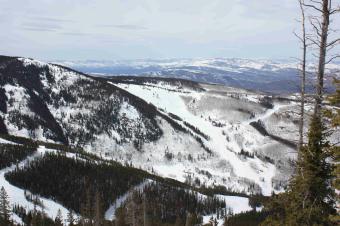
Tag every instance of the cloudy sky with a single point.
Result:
(134, 29)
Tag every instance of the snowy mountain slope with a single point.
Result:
(263, 75)
(24, 198)
(234, 204)
(223, 116)
(52, 103)
(195, 133)
(18, 196)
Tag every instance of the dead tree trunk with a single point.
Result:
(322, 58)
(321, 25)
(303, 40)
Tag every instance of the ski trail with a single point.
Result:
(266, 114)
(17, 195)
(110, 212)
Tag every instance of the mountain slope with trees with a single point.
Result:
(52, 103)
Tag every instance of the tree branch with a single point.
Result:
(334, 11)
(332, 58)
(317, 2)
(313, 41)
(298, 36)
(317, 27)
(334, 42)
(312, 6)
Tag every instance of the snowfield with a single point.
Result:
(224, 115)
(234, 204)
(17, 195)
(199, 134)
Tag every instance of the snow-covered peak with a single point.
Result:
(28, 61)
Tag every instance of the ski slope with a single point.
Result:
(17, 195)
(225, 141)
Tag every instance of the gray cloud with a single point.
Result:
(125, 26)
(51, 19)
(48, 24)
(40, 23)
(76, 33)
(40, 26)
(38, 29)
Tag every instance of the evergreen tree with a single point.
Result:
(5, 209)
(98, 214)
(335, 120)
(146, 210)
(120, 217)
(179, 221)
(190, 221)
(34, 220)
(215, 222)
(70, 218)
(335, 101)
(58, 219)
(309, 199)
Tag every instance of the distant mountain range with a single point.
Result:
(62, 130)
(260, 75)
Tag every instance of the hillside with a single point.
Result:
(195, 133)
(36, 190)
(208, 138)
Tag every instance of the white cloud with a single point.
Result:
(84, 29)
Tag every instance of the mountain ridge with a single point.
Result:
(158, 124)
(274, 76)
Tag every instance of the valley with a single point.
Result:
(209, 139)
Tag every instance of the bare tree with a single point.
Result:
(303, 40)
(319, 37)
(321, 27)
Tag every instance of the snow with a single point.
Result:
(28, 62)
(18, 99)
(241, 136)
(234, 65)
(207, 218)
(234, 203)
(17, 219)
(231, 64)
(110, 212)
(267, 114)
(176, 171)
(17, 195)
(3, 141)
(229, 107)
(129, 111)
(232, 108)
